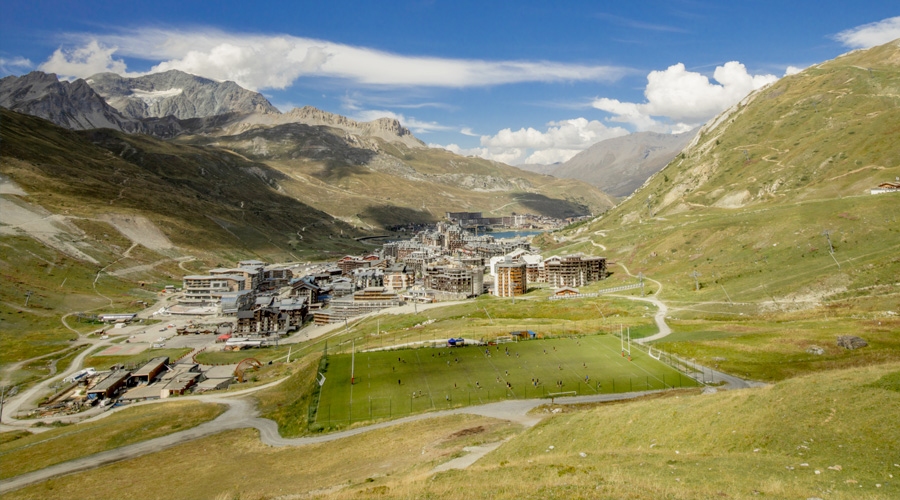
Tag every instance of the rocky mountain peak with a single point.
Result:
(388, 129)
(73, 105)
(176, 93)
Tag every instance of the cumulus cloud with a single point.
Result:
(558, 143)
(90, 59)
(684, 98)
(276, 61)
(792, 70)
(870, 35)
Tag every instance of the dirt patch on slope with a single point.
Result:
(140, 230)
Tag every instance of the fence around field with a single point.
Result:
(387, 408)
(702, 374)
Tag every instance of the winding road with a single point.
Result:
(662, 310)
(242, 414)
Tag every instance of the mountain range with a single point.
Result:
(199, 141)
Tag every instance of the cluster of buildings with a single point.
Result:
(252, 293)
(154, 379)
(442, 262)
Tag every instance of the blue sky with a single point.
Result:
(514, 81)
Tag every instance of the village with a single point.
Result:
(255, 304)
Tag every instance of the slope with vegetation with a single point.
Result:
(770, 205)
(372, 182)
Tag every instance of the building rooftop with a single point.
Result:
(112, 380)
(151, 366)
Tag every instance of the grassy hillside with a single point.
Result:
(201, 199)
(747, 206)
(826, 436)
(372, 182)
(73, 195)
(828, 132)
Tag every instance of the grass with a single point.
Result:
(36, 451)
(392, 383)
(8, 436)
(254, 470)
(486, 318)
(104, 362)
(775, 348)
(288, 403)
(738, 444)
(40, 368)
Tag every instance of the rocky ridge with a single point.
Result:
(176, 93)
(73, 105)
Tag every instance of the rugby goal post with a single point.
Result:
(625, 339)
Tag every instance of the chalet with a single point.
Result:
(887, 187)
(565, 292)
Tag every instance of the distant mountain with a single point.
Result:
(176, 93)
(621, 164)
(204, 200)
(370, 174)
(540, 168)
(370, 181)
(73, 105)
(387, 129)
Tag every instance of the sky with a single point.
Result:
(514, 81)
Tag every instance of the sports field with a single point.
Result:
(401, 382)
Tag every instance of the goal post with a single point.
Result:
(625, 340)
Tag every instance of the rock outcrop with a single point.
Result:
(851, 342)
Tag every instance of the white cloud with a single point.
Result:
(276, 61)
(8, 66)
(90, 59)
(792, 70)
(684, 98)
(468, 131)
(510, 156)
(559, 142)
(870, 35)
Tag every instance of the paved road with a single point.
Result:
(12, 406)
(241, 413)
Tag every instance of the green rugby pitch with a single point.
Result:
(406, 381)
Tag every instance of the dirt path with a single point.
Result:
(241, 414)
